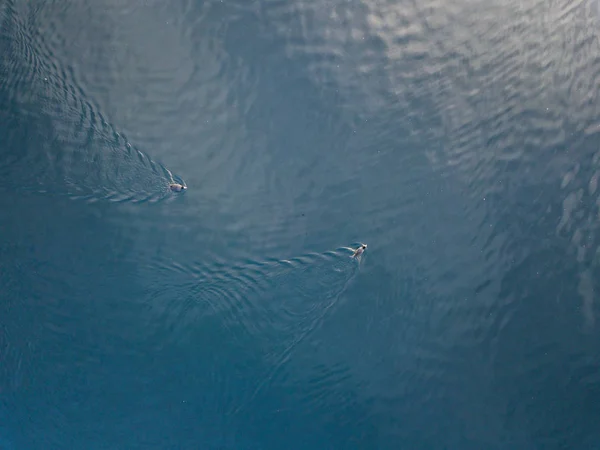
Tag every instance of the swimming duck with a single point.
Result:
(359, 251)
(176, 187)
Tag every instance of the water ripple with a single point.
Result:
(84, 157)
(269, 305)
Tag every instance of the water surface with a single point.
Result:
(457, 139)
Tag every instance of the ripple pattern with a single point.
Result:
(511, 89)
(459, 139)
(83, 156)
(268, 307)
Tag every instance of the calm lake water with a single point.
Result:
(459, 139)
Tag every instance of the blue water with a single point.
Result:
(459, 140)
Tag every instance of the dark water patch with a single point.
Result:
(66, 328)
(548, 391)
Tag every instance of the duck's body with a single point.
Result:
(176, 187)
(359, 251)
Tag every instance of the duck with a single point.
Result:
(359, 251)
(176, 187)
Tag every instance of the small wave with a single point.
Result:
(272, 304)
(72, 149)
(301, 292)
